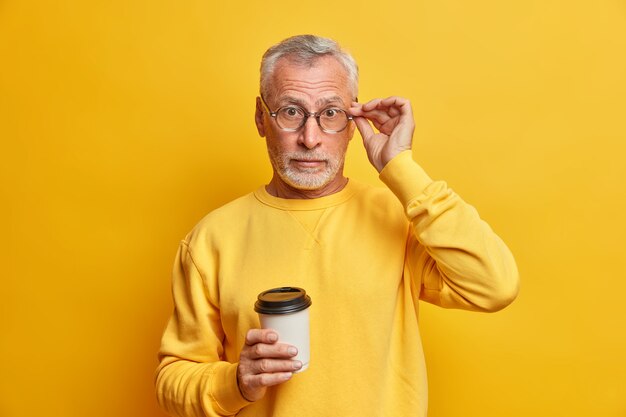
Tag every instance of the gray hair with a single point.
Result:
(305, 50)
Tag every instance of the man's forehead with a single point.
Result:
(326, 78)
(323, 63)
(295, 60)
(322, 101)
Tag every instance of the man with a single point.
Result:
(365, 255)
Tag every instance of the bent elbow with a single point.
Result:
(503, 293)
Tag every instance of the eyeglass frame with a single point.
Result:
(307, 114)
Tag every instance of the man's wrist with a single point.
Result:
(225, 388)
(404, 177)
(386, 158)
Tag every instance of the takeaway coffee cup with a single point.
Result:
(286, 310)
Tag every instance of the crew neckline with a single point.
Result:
(308, 203)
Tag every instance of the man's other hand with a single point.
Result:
(263, 362)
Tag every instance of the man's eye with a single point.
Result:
(292, 111)
(331, 113)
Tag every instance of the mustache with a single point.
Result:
(308, 156)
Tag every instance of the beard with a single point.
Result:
(303, 178)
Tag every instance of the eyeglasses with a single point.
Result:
(292, 118)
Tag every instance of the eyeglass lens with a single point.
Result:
(330, 119)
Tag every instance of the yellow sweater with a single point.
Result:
(365, 257)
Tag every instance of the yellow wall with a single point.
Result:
(123, 122)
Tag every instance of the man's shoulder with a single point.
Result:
(376, 194)
(240, 204)
(375, 203)
(224, 217)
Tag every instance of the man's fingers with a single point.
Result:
(277, 350)
(255, 336)
(375, 115)
(255, 374)
(381, 110)
(263, 362)
(252, 386)
(271, 366)
(365, 129)
(371, 105)
(265, 380)
(262, 343)
(394, 101)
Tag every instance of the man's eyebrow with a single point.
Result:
(322, 102)
(292, 100)
(329, 100)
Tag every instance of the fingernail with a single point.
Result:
(272, 337)
(297, 365)
(292, 351)
(286, 376)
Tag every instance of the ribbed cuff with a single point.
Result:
(224, 390)
(404, 177)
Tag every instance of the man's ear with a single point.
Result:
(352, 125)
(351, 128)
(258, 118)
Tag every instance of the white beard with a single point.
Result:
(303, 178)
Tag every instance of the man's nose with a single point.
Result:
(310, 134)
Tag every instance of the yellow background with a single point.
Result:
(123, 122)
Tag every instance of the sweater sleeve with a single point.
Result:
(452, 255)
(192, 380)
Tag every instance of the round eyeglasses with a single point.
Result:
(292, 118)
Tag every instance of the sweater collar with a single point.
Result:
(308, 204)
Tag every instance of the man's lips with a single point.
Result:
(308, 163)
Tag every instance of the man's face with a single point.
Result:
(309, 158)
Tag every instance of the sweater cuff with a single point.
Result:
(404, 177)
(224, 389)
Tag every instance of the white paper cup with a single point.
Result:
(286, 310)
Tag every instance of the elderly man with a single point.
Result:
(366, 256)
